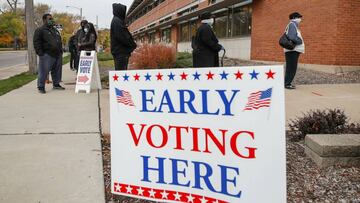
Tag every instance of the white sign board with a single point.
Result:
(199, 135)
(88, 76)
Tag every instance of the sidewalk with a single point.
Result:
(12, 70)
(50, 149)
(326, 96)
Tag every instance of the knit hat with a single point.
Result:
(295, 15)
(205, 16)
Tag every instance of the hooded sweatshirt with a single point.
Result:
(122, 43)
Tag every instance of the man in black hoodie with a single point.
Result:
(122, 43)
(48, 45)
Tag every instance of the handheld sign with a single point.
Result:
(199, 135)
(88, 76)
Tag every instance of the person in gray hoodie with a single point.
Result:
(292, 56)
(122, 42)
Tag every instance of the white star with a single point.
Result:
(177, 196)
(140, 191)
(190, 198)
(117, 188)
(128, 189)
(152, 193)
(164, 195)
(203, 200)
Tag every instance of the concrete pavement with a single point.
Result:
(307, 97)
(12, 58)
(50, 148)
(12, 70)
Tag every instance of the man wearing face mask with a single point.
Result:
(80, 34)
(205, 45)
(48, 45)
(292, 56)
(122, 42)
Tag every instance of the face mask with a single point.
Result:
(51, 22)
(86, 30)
(297, 20)
(208, 21)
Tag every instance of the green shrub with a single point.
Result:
(330, 121)
(183, 60)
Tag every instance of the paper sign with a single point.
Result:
(199, 135)
(88, 76)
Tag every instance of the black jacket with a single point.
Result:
(122, 43)
(87, 43)
(47, 40)
(78, 36)
(206, 47)
(72, 44)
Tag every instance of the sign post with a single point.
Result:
(88, 76)
(199, 135)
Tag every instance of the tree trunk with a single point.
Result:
(30, 29)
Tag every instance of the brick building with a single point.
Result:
(250, 29)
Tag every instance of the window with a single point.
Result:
(193, 28)
(221, 24)
(187, 31)
(184, 32)
(166, 35)
(152, 37)
(242, 21)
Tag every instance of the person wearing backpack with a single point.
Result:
(292, 56)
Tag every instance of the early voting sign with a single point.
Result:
(88, 76)
(199, 135)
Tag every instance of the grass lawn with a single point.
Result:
(106, 64)
(66, 59)
(15, 82)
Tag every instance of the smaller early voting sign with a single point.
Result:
(88, 76)
(199, 135)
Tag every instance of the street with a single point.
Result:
(9, 58)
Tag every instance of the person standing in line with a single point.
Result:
(73, 51)
(48, 46)
(205, 45)
(79, 35)
(88, 42)
(292, 56)
(122, 42)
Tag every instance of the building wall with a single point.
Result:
(328, 30)
(235, 48)
(239, 48)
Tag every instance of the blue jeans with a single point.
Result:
(48, 63)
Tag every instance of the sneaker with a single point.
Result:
(42, 91)
(58, 87)
(290, 87)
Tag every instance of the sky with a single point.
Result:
(91, 8)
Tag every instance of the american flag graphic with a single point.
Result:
(124, 97)
(258, 100)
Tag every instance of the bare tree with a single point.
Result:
(13, 5)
